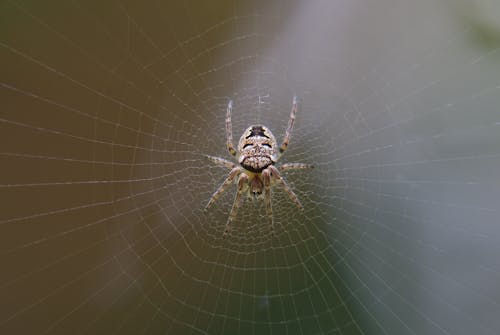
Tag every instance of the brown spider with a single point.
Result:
(257, 153)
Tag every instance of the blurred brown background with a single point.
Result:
(108, 108)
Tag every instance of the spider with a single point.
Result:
(256, 172)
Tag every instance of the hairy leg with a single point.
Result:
(234, 172)
(295, 166)
(277, 176)
(266, 176)
(229, 129)
(238, 200)
(289, 128)
(221, 161)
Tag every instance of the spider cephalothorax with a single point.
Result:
(257, 154)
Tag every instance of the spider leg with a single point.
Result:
(229, 129)
(221, 161)
(291, 121)
(238, 200)
(223, 186)
(277, 176)
(295, 166)
(266, 176)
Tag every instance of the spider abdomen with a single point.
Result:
(257, 149)
(256, 163)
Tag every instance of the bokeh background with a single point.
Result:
(108, 108)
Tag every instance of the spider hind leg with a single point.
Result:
(291, 121)
(229, 129)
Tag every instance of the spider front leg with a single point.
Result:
(266, 176)
(229, 129)
(277, 176)
(234, 172)
(291, 121)
(238, 200)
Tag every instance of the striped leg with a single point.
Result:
(221, 161)
(295, 166)
(266, 176)
(291, 121)
(223, 187)
(229, 129)
(276, 175)
(238, 200)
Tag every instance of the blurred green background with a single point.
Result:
(108, 108)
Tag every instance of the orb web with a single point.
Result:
(109, 111)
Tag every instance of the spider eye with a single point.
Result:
(247, 145)
(266, 145)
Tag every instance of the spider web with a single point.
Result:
(108, 111)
